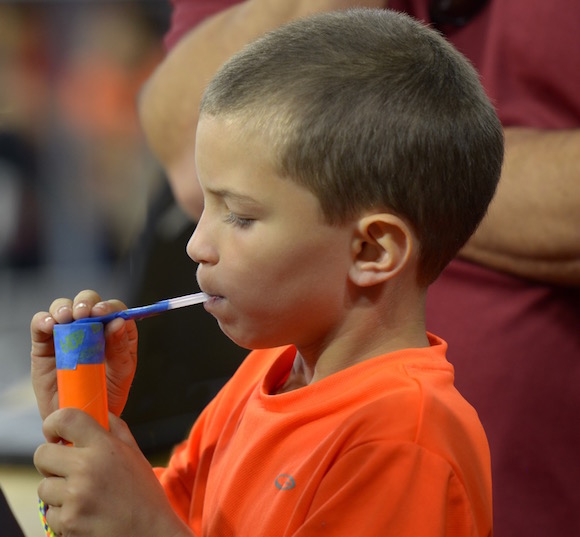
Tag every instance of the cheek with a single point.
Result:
(274, 273)
(282, 303)
(294, 292)
(255, 260)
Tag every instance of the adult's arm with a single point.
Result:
(169, 102)
(532, 228)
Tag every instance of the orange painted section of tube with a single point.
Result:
(86, 388)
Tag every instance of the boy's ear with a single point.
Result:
(381, 249)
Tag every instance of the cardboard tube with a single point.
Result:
(80, 364)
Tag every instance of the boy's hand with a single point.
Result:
(120, 349)
(101, 485)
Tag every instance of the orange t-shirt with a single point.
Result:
(385, 447)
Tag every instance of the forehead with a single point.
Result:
(236, 160)
(227, 146)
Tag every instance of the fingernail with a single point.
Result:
(81, 305)
(99, 306)
(63, 309)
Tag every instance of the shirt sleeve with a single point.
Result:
(184, 478)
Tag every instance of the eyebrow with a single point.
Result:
(234, 196)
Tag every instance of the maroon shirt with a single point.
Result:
(515, 344)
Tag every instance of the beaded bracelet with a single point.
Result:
(42, 512)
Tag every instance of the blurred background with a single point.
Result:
(76, 183)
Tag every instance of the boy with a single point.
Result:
(344, 160)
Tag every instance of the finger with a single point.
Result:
(53, 516)
(73, 426)
(43, 363)
(121, 340)
(41, 327)
(121, 350)
(51, 490)
(61, 310)
(51, 460)
(84, 302)
(105, 307)
(64, 310)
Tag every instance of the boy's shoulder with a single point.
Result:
(399, 400)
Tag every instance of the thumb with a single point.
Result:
(72, 425)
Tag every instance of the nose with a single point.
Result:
(200, 247)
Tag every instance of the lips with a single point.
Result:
(205, 289)
(210, 294)
(213, 298)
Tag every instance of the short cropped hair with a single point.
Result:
(371, 110)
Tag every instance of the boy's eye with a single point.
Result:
(238, 221)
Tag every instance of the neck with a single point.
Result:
(365, 333)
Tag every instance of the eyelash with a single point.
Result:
(238, 221)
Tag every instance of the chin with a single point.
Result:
(248, 338)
